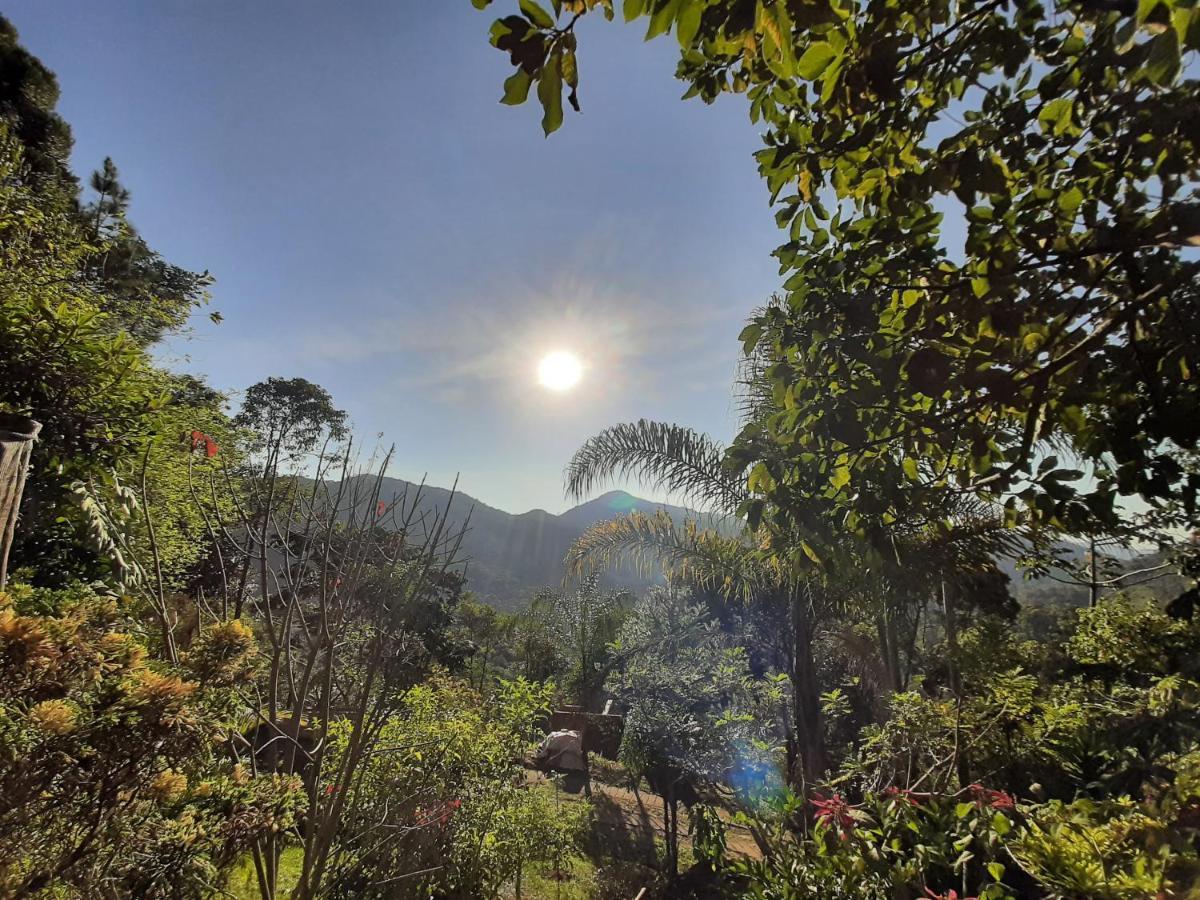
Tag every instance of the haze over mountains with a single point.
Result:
(511, 556)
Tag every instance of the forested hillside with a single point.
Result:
(509, 557)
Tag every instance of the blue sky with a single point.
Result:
(378, 223)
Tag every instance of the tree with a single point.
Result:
(61, 364)
(28, 96)
(288, 417)
(694, 716)
(146, 296)
(682, 462)
(83, 297)
(1064, 140)
(487, 630)
(583, 622)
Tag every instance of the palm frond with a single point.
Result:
(753, 390)
(660, 456)
(972, 537)
(687, 553)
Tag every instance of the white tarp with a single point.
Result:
(562, 750)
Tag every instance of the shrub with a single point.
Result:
(892, 846)
(112, 776)
(443, 796)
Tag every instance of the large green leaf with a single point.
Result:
(550, 94)
(815, 60)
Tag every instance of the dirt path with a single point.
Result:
(631, 821)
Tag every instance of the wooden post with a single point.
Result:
(17, 435)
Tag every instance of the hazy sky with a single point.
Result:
(378, 223)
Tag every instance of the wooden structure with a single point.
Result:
(17, 435)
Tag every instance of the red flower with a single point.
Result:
(380, 509)
(985, 797)
(439, 813)
(200, 439)
(834, 811)
(904, 794)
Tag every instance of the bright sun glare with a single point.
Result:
(559, 371)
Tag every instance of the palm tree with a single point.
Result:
(584, 622)
(926, 557)
(746, 564)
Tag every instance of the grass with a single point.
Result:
(539, 882)
(243, 883)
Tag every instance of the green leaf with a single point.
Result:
(911, 469)
(536, 14)
(840, 478)
(816, 59)
(481, 4)
(1163, 61)
(962, 810)
(688, 23)
(749, 336)
(662, 19)
(1069, 201)
(570, 70)
(633, 8)
(550, 94)
(996, 870)
(516, 88)
(1055, 116)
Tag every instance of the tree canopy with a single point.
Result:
(1047, 361)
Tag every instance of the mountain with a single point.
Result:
(511, 556)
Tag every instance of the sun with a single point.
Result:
(560, 371)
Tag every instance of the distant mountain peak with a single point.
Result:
(511, 556)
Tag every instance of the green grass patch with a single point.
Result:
(539, 881)
(243, 882)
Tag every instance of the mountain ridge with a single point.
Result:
(510, 556)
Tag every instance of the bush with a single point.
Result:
(444, 796)
(112, 775)
(893, 845)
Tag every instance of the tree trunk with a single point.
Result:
(1093, 578)
(950, 613)
(17, 435)
(885, 627)
(806, 700)
(670, 833)
(951, 620)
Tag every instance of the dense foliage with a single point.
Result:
(111, 766)
(983, 348)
